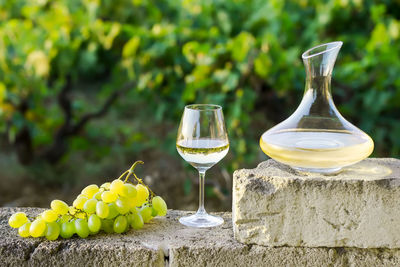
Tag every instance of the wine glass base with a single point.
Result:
(318, 170)
(201, 221)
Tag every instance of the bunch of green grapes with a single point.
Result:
(112, 207)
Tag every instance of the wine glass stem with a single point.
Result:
(201, 210)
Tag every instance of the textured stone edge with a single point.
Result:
(283, 256)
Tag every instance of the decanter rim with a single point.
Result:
(337, 44)
(203, 107)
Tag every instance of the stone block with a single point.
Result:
(273, 205)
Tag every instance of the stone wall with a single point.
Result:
(165, 242)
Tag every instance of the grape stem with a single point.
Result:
(129, 172)
(77, 213)
(122, 175)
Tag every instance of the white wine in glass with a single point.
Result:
(202, 141)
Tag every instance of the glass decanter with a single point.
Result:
(316, 137)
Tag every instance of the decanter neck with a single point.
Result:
(319, 62)
(318, 86)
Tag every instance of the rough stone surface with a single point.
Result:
(165, 242)
(273, 205)
(99, 250)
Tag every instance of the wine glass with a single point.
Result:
(202, 141)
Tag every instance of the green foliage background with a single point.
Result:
(244, 55)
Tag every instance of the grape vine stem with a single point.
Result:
(129, 172)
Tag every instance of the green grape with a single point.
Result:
(90, 206)
(49, 216)
(60, 223)
(146, 211)
(140, 202)
(122, 205)
(64, 218)
(113, 211)
(94, 223)
(17, 220)
(67, 229)
(128, 190)
(90, 190)
(23, 231)
(80, 215)
(127, 226)
(129, 218)
(153, 212)
(102, 209)
(106, 186)
(81, 228)
(98, 195)
(93, 233)
(142, 193)
(37, 227)
(109, 196)
(107, 226)
(120, 224)
(52, 231)
(133, 202)
(71, 210)
(134, 210)
(136, 221)
(117, 186)
(159, 205)
(130, 201)
(79, 202)
(59, 206)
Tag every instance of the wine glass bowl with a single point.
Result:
(202, 141)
